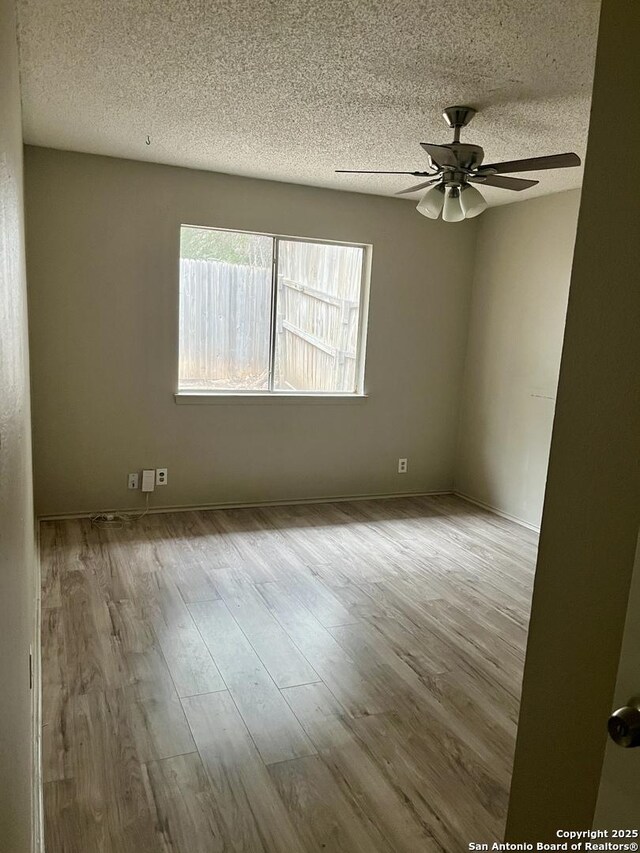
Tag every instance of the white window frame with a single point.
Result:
(208, 396)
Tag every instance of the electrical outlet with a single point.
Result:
(148, 479)
(402, 466)
(162, 476)
(133, 480)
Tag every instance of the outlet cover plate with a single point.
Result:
(162, 476)
(133, 480)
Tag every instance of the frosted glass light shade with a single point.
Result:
(452, 209)
(472, 201)
(431, 202)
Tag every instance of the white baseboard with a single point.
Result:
(497, 511)
(246, 505)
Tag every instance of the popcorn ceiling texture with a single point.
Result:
(291, 90)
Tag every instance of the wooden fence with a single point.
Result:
(225, 318)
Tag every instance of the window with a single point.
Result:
(268, 315)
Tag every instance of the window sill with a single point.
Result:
(188, 398)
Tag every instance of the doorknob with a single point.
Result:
(624, 724)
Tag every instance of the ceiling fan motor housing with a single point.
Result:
(468, 156)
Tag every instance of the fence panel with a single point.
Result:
(225, 316)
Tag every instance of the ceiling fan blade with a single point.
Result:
(532, 164)
(440, 156)
(381, 172)
(503, 182)
(419, 186)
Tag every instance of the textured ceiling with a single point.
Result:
(291, 90)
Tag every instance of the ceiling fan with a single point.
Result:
(456, 166)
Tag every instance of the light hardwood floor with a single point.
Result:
(335, 677)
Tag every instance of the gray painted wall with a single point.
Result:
(103, 281)
(519, 299)
(17, 558)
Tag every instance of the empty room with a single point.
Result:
(319, 496)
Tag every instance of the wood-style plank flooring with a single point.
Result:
(335, 677)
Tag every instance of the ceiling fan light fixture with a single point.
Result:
(452, 209)
(432, 202)
(472, 201)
